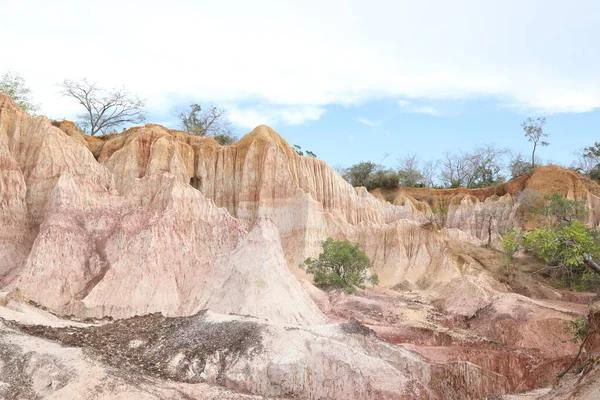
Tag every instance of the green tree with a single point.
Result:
(565, 250)
(301, 152)
(359, 174)
(511, 242)
(14, 87)
(534, 132)
(342, 264)
(565, 245)
(592, 155)
(383, 178)
(561, 210)
(371, 176)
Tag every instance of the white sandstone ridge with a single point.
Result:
(251, 280)
(139, 222)
(140, 229)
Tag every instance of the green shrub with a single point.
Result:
(342, 264)
(561, 210)
(577, 329)
(563, 249)
(511, 242)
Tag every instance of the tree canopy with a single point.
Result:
(14, 86)
(534, 132)
(342, 264)
(211, 121)
(565, 244)
(105, 109)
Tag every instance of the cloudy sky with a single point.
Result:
(349, 80)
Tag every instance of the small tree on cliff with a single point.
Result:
(565, 245)
(209, 122)
(534, 132)
(104, 109)
(342, 265)
(14, 87)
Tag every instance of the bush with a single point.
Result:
(342, 265)
(562, 210)
(577, 329)
(14, 87)
(371, 176)
(359, 174)
(511, 243)
(563, 249)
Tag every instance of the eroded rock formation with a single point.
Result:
(154, 220)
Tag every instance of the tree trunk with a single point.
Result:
(591, 264)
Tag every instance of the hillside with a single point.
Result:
(104, 233)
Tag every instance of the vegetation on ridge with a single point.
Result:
(209, 122)
(14, 87)
(105, 109)
(563, 242)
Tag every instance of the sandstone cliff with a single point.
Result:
(155, 220)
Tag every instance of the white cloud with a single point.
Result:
(369, 122)
(299, 115)
(251, 117)
(410, 108)
(426, 110)
(237, 51)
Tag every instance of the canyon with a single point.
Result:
(156, 264)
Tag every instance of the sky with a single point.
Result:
(349, 80)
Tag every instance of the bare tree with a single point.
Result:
(429, 170)
(479, 168)
(534, 132)
(454, 169)
(409, 171)
(210, 122)
(485, 164)
(105, 109)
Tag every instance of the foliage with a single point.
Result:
(105, 109)
(561, 209)
(301, 152)
(519, 166)
(383, 178)
(342, 265)
(14, 87)
(211, 122)
(592, 151)
(563, 249)
(359, 174)
(588, 161)
(563, 244)
(511, 242)
(371, 176)
(577, 329)
(534, 132)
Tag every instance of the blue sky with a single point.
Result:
(349, 80)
